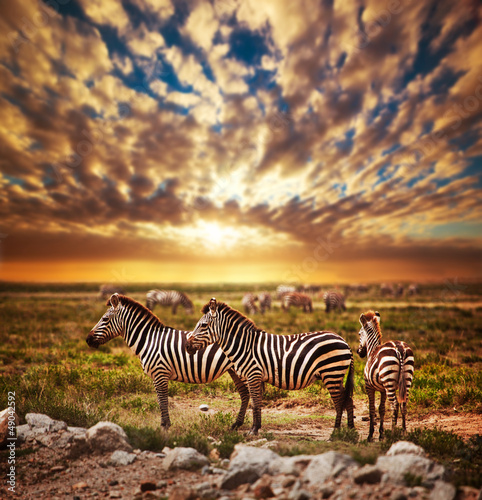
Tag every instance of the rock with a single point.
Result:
(24, 433)
(398, 468)
(369, 474)
(182, 493)
(107, 436)
(204, 407)
(148, 485)
(247, 465)
(43, 423)
(120, 457)
(8, 423)
(289, 465)
(325, 466)
(77, 430)
(262, 487)
(184, 458)
(80, 486)
(79, 446)
(405, 448)
(443, 491)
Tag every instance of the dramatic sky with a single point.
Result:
(240, 140)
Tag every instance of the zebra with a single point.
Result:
(162, 352)
(296, 299)
(169, 298)
(286, 361)
(282, 289)
(107, 290)
(264, 302)
(249, 303)
(389, 368)
(386, 289)
(413, 289)
(334, 300)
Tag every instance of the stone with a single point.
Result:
(405, 448)
(262, 487)
(182, 493)
(43, 423)
(397, 468)
(82, 485)
(184, 458)
(247, 464)
(107, 436)
(289, 465)
(148, 485)
(79, 446)
(120, 457)
(8, 423)
(368, 474)
(325, 466)
(24, 433)
(443, 491)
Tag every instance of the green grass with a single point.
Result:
(45, 360)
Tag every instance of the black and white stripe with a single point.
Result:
(285, 361)
(389, 370)
(264, 302)
(334, 301)
(168, 298)
(162, 351)
(249, 303)
(298, 300)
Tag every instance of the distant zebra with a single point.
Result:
(286, 361)
(334, 300)
(413, 289)
(399, 290)
(105, 291)
(162, 352)
(386, 289)
(298, 300)
(168, 298)
(249, 303)
(389, 369)
(264, 302)
(282, 289)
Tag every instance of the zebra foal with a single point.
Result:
(169, 298)
(389, 369)
(286, 361)
(162, 352)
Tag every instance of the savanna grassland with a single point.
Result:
(44, 358)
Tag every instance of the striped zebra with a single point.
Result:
(249, 303)
(298, 300)
(162, 352)
(282, 289)
(334, 300)
(264, 302)
(285, 361)
(389, 369)
(168, 298)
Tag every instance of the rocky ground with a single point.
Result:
(99, 462)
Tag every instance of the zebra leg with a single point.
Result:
(174, 308)
(244, 394)
(381, 411)
(371, 407)
(337, 394)
(161, 385)
(404, 414)
(255, 385)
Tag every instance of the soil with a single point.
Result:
(48, 473)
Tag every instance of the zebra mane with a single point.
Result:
(245, 321)
(127, 301)
(370, 315)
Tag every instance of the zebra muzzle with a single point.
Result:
(92, 341)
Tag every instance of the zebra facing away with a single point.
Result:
(298, 300)
(264, 302)
(285, 361)
(162, 352)
(389, 369)
(334, 300)
(249, 303)
(169, 298)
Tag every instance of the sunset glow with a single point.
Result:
(240, 140)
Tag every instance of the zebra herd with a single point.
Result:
(225, 340)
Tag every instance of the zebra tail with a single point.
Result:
(350, 383)
(402, 382)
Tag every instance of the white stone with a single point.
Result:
(107, 436)
(405, 448)
(184, 458)
(325, 466)
(120, 457)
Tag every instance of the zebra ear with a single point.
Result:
(377, 314)
(213, 306)
(114, 300)
(363, 320)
